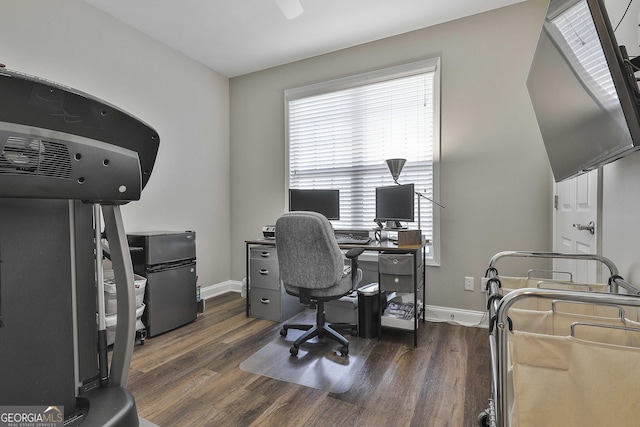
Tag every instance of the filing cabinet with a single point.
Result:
(267, 297)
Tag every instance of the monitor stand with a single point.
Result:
(394, 225)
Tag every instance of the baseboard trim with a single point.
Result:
(211, 291)
(456, 316)
(433, 313)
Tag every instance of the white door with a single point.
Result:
(577, 225)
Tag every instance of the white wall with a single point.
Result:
(495, 178)
(72, 43)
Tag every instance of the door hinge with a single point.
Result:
(555, 202)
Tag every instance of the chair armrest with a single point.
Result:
(354, 253)
(356, 274)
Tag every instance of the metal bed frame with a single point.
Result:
(500, 328)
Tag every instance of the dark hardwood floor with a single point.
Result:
(191, 377)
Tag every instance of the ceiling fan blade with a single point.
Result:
(290, 8)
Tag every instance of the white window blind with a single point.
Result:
(340, 133)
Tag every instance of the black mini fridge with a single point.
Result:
(168, 261)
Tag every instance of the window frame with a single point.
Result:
(389, 73)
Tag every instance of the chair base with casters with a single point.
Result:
(320, 330)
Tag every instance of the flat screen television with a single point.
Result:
(582, 89)
(326, 202)
(394, 204)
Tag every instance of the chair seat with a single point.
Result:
(337, 291)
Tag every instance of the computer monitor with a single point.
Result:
(326, 202)
(395, 203)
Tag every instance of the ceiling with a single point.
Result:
(235, 37)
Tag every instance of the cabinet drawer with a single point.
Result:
(397, 283)
(264, 274)
(396, 264)
(264, 252)
(400, 282)
(265, 304)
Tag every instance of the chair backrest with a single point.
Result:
(308, 254)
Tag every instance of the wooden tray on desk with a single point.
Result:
(409, 237)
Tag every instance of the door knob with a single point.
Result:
(591, 227)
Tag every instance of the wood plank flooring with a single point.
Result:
(191, 377)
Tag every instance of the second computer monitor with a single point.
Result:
(326, 202)
(395, 203)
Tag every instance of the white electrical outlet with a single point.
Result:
(484, 281)
(469, 283)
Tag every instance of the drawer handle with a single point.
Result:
(264, 272)
(265, 254)
(396, 280)
(265, 300)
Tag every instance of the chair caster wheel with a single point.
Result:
(344, 351)
(293, 351)
(483, 419)
(354, 332)
(283, 332)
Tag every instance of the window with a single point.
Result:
(339, 134)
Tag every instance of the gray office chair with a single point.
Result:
(312, 267)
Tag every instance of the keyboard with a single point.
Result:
(351, 239)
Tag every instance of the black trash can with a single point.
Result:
(368, 311)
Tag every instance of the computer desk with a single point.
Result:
(386, 247)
